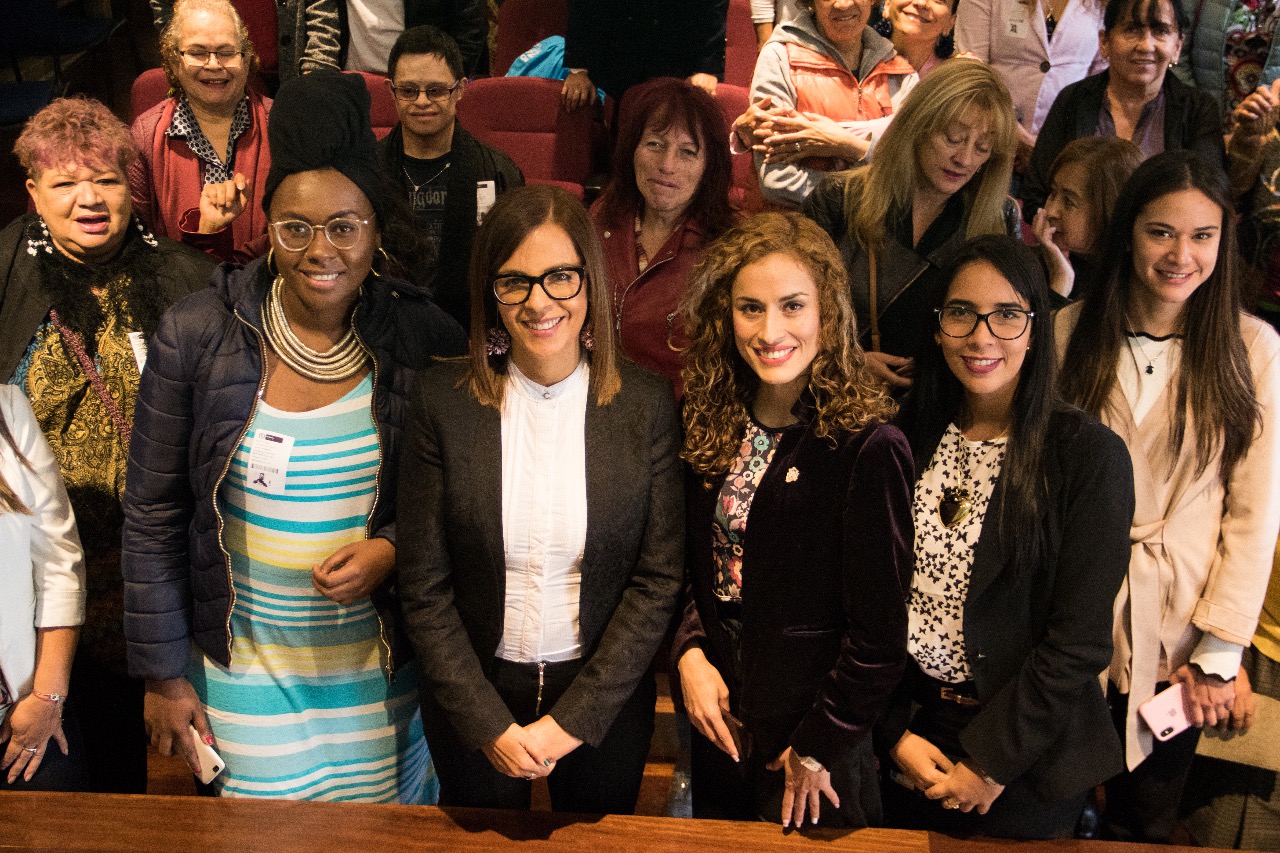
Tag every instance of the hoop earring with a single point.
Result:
(386, 263)
(271, 261)
(497, 342)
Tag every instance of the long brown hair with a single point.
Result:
(517, 213)
(719, 386)
(1215, 382)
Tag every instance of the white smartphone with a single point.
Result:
(211, 764)
(1165, 713)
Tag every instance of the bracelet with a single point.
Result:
(55, 698)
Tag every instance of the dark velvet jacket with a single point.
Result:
(452, 565)
(1192, 120)
(204, 371)
(1038, 644)
(826, 564)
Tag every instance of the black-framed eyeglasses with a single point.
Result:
(1007, 324)
(560, 283)
(409, 94)
(201, 57)
(294, 235)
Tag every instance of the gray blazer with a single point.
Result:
(450, 550)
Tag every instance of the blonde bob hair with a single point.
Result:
(516, 214)
(719, 386)
(171, 37)
(887, 186)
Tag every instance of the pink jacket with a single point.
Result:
(165, 183)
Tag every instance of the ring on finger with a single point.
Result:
(31, 749)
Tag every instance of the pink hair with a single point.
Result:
(77, 131)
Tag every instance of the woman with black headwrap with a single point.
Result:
(260, 512)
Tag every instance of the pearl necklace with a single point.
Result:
(343, 360)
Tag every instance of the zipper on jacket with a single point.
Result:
(388, 668)
(262, 387)
(622, 299)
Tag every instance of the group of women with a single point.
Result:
(906, 514)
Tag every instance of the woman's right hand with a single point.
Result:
(922, 762)
(169, 707)
(706, 699)
(895, 371)
(1256, 114)
(1062, 276)
(221, 203)
(510, 755)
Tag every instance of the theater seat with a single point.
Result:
(524, 23)
(522, 117)
(382, 110)
(740, 44)
(744, 191)
(148, 89)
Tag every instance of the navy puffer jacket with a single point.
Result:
(198, 391)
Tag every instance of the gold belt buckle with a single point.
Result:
(952, 696)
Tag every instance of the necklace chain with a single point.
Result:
(1136, 337)
(417, 188)
(343, 360)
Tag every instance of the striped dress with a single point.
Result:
(305, 711)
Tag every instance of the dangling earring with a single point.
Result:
(587, 340)
(497, 342)
(386, 263)
(271, 261)
(946, 45)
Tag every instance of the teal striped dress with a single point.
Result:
(305, 711)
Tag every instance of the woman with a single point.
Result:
(1021, 518)
(84, 285)
(942, 175)
(1037, 47)
(41, 610)
(204, 161)
(1083, 182)
(1231, 50)
(541, 560)
(259, 536)
(668, 198)
(798, 530)
(922, 31)
(1162, 353)
(823, 83)
(1135, 99)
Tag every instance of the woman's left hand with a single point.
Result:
(354, 571)
(964, 790)
(798, 136)
(30, 725)
(1208, 699)
(802, 788)
(548, 740)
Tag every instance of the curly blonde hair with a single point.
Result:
(719, 386)
(171, 37)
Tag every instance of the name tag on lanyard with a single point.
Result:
(269, 461)
(1018, 25)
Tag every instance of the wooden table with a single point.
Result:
(116, 822)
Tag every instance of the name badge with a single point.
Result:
(486, 195)
(139, 344)
(1018, 25)
(269, 461)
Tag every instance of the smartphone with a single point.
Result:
(1165, 713)
(211, 764)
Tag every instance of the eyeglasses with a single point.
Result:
(1007, 324)
(559, 283)
(436, 94)
(294, 235)
(200, 57)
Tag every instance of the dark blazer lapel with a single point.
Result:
(484, 460)
(991, 554)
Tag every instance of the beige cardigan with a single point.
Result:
(1201, 553)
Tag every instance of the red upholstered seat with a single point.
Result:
(382, 110)
(522, 117)
(740, 44)
(744, 191)
(148, 89)
(524, 23)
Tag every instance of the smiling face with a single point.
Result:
(948, 160)
(988, 367)
(1175, 247)
(920, 20)
(669, 166)
(322, 279)
(423, 118)
(213, 86)
(1067, 209)
(1141, 50)
(777, 321)
(86, 209)
(842, 21)
(544, 331)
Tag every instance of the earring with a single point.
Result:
(386, 263)
(271, 261)
(587, 340)
(497, 342)
(884, 27)
(946, 45)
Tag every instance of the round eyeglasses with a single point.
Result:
(559, 283)
(1007, 324)
(294, 235)
(438, 94)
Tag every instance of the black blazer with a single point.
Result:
(1038, 646)
(450, 549)
(826, 564)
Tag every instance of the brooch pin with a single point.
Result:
(792, 475)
